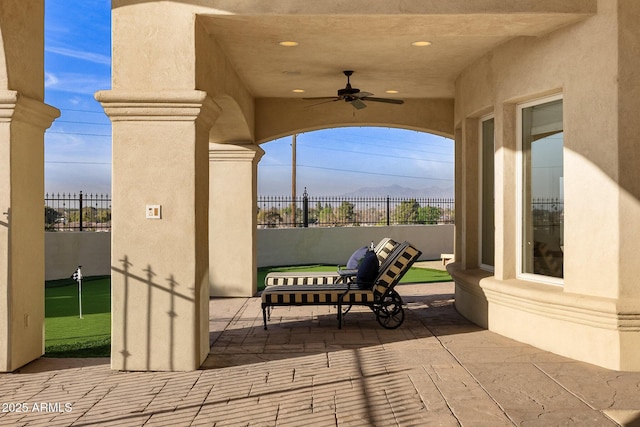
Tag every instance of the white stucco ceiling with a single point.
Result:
(376, 46)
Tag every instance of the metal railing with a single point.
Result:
(81, 212)
(307, 211)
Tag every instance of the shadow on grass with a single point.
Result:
(100, 348)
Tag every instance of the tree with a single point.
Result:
(271, 218)
(50, 218)
(407, 212)
(326, 215)
(429, 215)
(346, 212)
(104, 215)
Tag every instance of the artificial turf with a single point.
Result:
(66, 334)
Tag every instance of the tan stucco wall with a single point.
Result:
(22, 47)
(23, 120)
(584, 63)
(298, 246)
(64, 251)
(159, 266)
(282, 117)
(628, 153)
(233, 218)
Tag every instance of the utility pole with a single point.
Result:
(293, 178)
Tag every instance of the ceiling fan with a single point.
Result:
(353, 96)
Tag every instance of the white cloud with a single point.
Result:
(96, 58)
(50, 79)
(81, 83)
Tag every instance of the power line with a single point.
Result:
(78, 162)
(79, 134)
(82, 123)
(364, 141)
(363, 172)
(380, 155)
(82, 111)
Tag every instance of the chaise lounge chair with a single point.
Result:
(381, 297)
(382, 251)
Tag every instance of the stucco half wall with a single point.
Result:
(298, 246)
(65, 251)
(276, 247)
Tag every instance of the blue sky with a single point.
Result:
(329, 162)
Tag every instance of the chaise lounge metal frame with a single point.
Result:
(383, 300)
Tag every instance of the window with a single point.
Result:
(541, 190)
(487, 219)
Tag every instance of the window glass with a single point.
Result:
(542, 187)
(487, 245)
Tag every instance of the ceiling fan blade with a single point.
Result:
(322, 97)
(358, 104)
(361, 95)
(387, 100)
(327, 99)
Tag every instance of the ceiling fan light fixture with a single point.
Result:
(298, 91)
(391, 91)
(288, 43)
(421, 43)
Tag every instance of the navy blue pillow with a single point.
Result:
(368, 270)
(356, 258)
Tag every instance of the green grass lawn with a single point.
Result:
(66, 335)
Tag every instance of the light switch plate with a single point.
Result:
(154, 211)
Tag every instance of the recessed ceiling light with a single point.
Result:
(288, 43)
(421, 43)
(391, 91)
(298, 90)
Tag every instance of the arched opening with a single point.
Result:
(360, 161)
(329, 191)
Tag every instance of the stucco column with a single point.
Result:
(232, 218)
(505, 191)
(159, 251)
(22, 124)
(467, 195)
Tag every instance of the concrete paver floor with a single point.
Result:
(436, 369)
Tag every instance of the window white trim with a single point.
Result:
(520, 194)
(481, 122)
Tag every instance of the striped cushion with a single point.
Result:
(302, 278)
(395, 267)
(383, 249)
(314, 295)
(398, 266)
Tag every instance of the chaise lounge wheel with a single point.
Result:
(390, 313)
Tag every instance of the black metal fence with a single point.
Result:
(81, 212)
(307, 211)
(77, 212)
